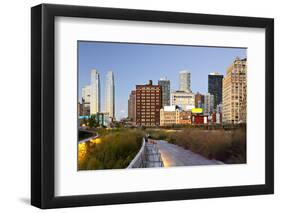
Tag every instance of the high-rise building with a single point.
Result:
(110, 94)
(148, 104)
(234, 99)
(86, 93)
(209, 104)
(132, 106)
(199, 100)
(183, 99)
(80, 109)
(95, 92)
(86, 99)
(215, 87)
(185, 81)
(165, 85)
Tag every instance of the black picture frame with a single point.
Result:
(43, 102)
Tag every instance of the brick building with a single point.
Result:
(148, 104)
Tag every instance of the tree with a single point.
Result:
(93, 122)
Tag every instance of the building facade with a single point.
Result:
(86, 93)
(165, 85)
(172, 115)
(103, 119)
(199, 100)
(95, 92)
(80, 109)
(185, 81)
(185, 117)
(183, 99)
(86, 99)
(215, 87)
(209, 104)
(110, 95)
(219, 108)
(132, 106)
(234, 100)
(148, 104)
(169, 115)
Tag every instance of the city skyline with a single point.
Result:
(148, 63)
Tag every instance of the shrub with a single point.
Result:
(222, 145)
(115, 151)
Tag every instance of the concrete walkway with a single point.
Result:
(95, 135)
(173, 155)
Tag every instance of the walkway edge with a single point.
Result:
(90, 138)
(137, 159)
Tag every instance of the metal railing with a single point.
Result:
(152, 156)
(148, 156)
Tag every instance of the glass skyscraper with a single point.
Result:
(185, 81)
(95, 92)
(165, 85)
(110, 94)
(215, 87)
(209, 104)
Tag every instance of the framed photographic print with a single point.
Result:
(140, 106)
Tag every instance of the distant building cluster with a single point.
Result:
(225, 102)
(91, 99)
(158, 105)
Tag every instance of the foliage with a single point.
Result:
(226, 146)
(92, 121)
(115, 150)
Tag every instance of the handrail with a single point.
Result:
(148, 156)
(137, 161)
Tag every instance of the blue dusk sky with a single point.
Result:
(134, 64)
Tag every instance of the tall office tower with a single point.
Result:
(80, 109)
(215, 87)
(110, 94)
(199, 100)
(165, 85)
(148, 104)
(95, 92)
(132, 106)
(209, 104)
(185, 81)
(185, 100)
(234, 91)
(86, 99)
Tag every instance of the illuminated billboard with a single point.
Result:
(197, 110)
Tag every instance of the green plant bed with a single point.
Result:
(114, 150)
(226, 146)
